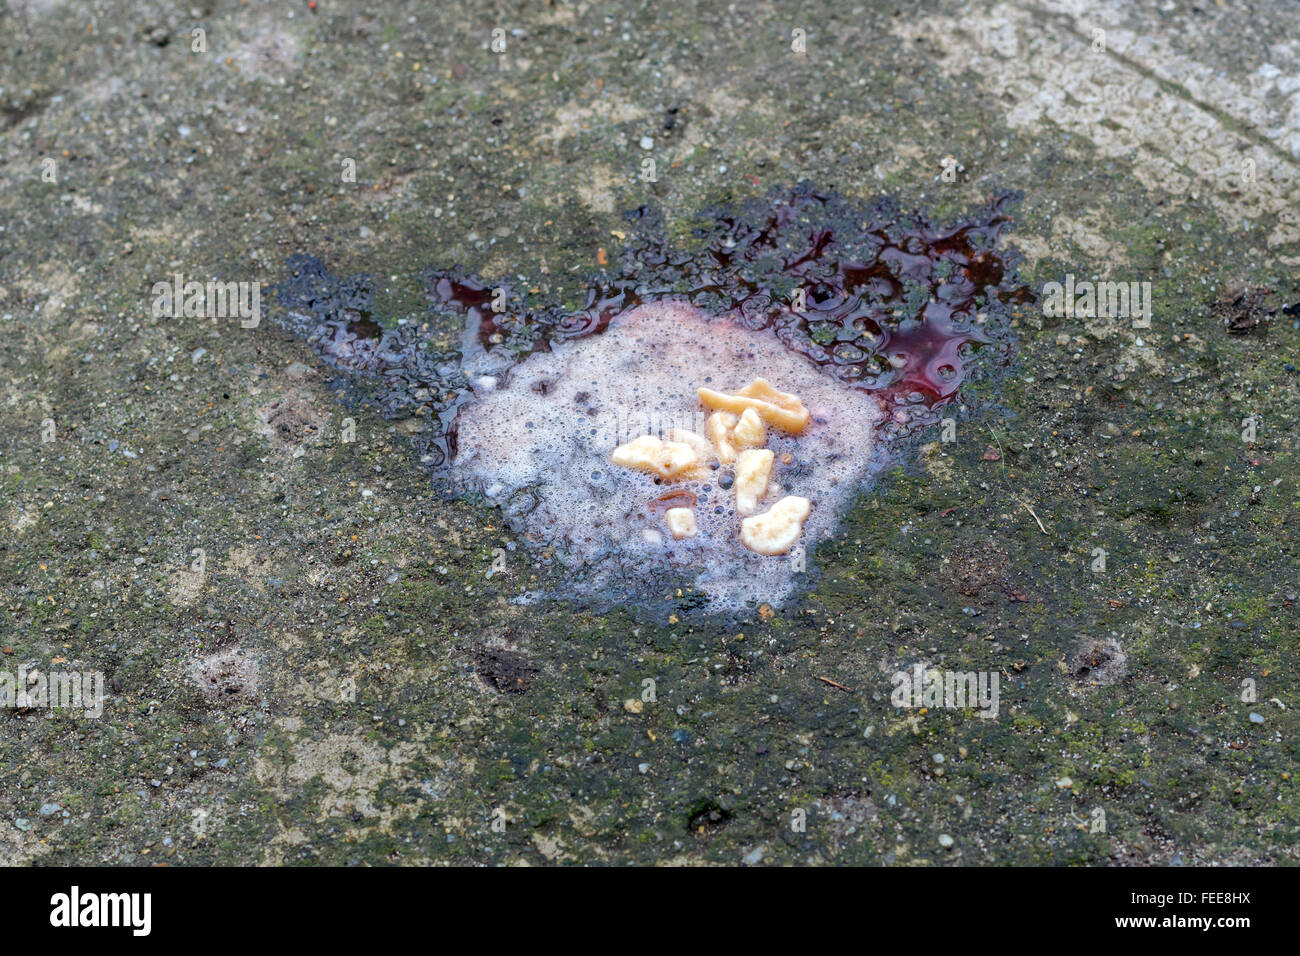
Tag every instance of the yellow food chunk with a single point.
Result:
(730, 433)
(777, 529)
(779, 409)
(718, 428)
(681, 523)
(703, 449)
(753, 468)
(667, 459)
(749, 431)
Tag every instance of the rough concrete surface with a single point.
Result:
(311, 654)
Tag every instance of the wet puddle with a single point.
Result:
(876, 317)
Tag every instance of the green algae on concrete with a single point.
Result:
(296, 705)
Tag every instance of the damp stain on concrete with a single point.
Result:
(881, 315)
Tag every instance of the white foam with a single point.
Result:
(548, 430)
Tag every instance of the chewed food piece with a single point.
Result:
(667, 459)
(681, 523)
(753, 469)
(718, 428)
(749, 431)
(777, 529)
(730, 434)
(704, 450)
(779, 409)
